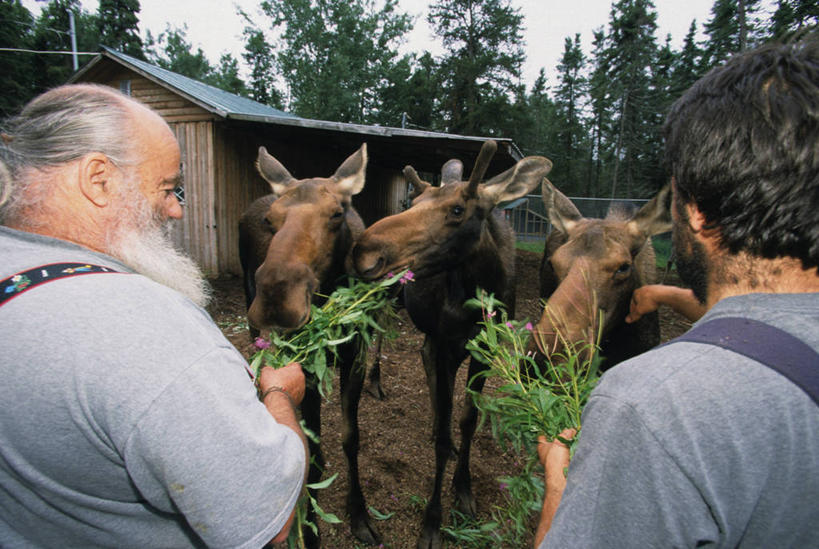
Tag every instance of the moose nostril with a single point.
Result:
(369, 263)
(373, 270)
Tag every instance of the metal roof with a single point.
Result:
(231, 106)
(210, 98)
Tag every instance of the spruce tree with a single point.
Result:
(335, 55)
(118, 26)
(569, 97)
(16, 72)
(480, 70)
(630, 55)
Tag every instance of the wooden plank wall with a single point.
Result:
(172, 107)
(237, 185)
(384, 194)
(197, 231)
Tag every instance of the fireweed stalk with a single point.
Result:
(361, 310)
(528, 395)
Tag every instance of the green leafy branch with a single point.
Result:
(532, 395)
(360, 310)
(355, 313)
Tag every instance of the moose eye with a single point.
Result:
(457, 211)
(337, 215)
(623, 269)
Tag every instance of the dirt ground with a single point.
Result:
(396, 455)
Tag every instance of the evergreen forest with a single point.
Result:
(599, 118)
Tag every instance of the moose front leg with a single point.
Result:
(375, 388)
(352, 380)
(311, 413)
(462, 481)
(440, 368)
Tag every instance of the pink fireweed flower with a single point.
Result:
(408, 277)
(490, 314)
(529, 326)
(508, 324)
(390, 274)
(261, 343)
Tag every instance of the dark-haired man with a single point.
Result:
(694, 444)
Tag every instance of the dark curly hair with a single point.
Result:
(743, 144)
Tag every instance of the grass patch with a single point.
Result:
(535, 246)
(662, 249)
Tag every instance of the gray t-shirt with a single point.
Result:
(128, 419)
(691, 445)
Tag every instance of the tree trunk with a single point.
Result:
(619, 145)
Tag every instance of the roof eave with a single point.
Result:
(208, 107)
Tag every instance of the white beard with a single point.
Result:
(141, 240)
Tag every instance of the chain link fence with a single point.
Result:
(527, 216)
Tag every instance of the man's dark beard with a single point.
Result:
(691, 260)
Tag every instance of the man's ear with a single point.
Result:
(98, 177)
(696, 219)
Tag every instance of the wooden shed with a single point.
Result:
(220, 133)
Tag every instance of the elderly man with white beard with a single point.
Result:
(128, 419)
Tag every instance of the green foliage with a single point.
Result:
(262, 75)
(731, 29)
(530, 246)
(335, 56)
(16, 78)
(355, 313)
(118, 26)
(481, 66)
(662, 250)
(171, 50)
(570, 137)
(535, 135)
(794, 18)
(532, 396)
(600, 121)
(52, 33)
(225, 76)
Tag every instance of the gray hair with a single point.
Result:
(58, 127)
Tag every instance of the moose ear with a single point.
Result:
(654, 217)
(418, 185)
(350, 176)
(562, 213)
(517, 181)
(273, 172)
(452, 171)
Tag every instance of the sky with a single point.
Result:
(215, 26)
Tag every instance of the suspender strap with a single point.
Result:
(24, 281)
(773, 347)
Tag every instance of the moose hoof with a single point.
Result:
(430, 539)
(376, 391)
(466, 504)
(364, 532)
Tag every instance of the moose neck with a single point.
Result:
(489, 263)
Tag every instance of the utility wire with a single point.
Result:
(51, 52)
(33, 26)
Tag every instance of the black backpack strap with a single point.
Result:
(24, 281)
(775, 348)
